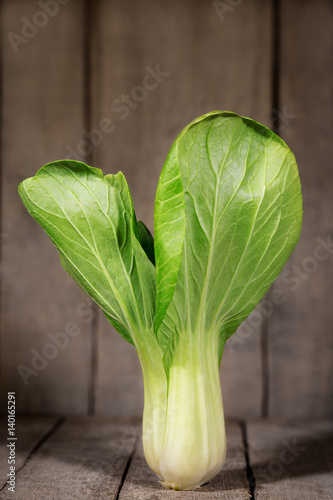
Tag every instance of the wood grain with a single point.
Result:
(206, 60)
(207, 63)
(292, 460)
(29, 433)
(42, 114)
(301, 341)
(99, 458)
(84, 460)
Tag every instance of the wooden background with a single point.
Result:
(269, 60)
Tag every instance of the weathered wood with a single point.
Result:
(42, 115)
(211, 63)
(29, 433)
(95, 458)
(292, 460)
(301, 341)
(241, 371)
(197, 52)
(231, 483)
(84, 460)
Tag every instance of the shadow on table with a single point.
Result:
(301, 455)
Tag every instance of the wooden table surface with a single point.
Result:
(102, 458)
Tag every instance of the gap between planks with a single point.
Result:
(87, 114)
(45, 437)
(249, 471)
(124, 485)
(127, 467)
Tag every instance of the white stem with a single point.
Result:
(190, 447)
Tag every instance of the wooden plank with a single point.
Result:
(42, 115)
(231, 483)
(197, 52)
(29, 432)
(292, 460)
(241, 382)
(84, 460)
(301, 342)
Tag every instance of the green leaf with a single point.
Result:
(237, 194)
(147, 241)
(169, 233)
(90, 219)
